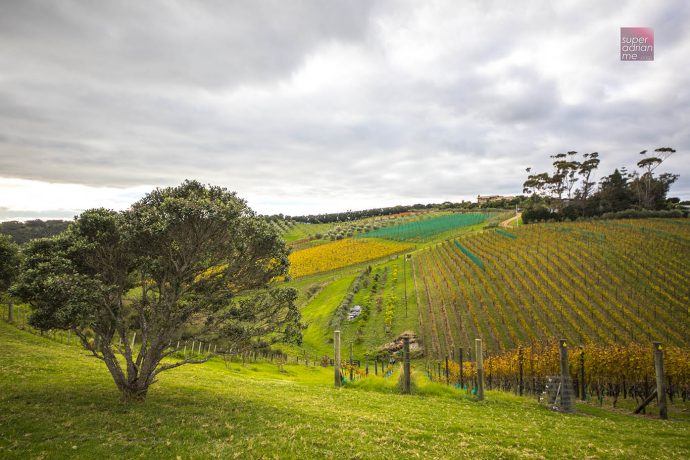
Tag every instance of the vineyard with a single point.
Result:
(600, 282)
(597, 371)
(425, 229)
(339, 254)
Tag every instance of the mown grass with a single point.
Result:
(301, 230)
(56, 402)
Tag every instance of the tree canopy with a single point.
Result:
(570, 192)
(21, 232)
(9, 262)
(186, 262)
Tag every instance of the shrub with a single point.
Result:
(536, 214)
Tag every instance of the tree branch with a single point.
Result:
(85, 344)
(182, 363)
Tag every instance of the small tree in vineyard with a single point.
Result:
(190, 260)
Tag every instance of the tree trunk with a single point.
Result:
(134, 392)
(141, 377)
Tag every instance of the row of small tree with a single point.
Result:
(191, 262)
(569, 191)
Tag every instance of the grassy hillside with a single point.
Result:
(58, 403)
(603, 281)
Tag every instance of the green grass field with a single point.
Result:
(300, 231)
(56, 402)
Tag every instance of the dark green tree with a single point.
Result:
(184, 262)
(614, 193)
(9, 263)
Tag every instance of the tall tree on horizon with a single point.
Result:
(648, 165)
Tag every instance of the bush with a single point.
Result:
(537, 214)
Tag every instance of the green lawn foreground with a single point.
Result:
(56, 402)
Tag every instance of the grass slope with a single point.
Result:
(58, 403)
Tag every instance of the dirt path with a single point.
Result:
(509, 222)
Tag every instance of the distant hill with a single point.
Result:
(22, 232)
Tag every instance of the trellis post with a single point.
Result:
(480, 369)
(566, 387)
(660, 381)
(336, 359)
(406, 366)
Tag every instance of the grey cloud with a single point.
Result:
(211, 43)
(125, 94)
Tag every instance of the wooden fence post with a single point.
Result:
(406, 366)
(583, 394)
(336, 360)
(447, 372)
(521, 366)
(10, 311)
(462, 381)
(480, 369)
(660, 381)
(566, 390)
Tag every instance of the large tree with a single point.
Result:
(186, 262)
(614, 193)
(9, 262)
(651, 191)
(586, 169)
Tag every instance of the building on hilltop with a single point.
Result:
(490, 198)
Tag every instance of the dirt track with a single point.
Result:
(509, 222)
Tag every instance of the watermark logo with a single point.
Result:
(637, 44)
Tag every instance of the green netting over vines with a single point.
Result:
(509, 235)
(424, 229)
(472, 257)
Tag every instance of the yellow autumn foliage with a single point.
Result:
(341, 253)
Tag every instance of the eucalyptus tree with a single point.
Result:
(585, 170)
(646, 183)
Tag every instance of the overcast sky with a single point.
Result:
(305, 107)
